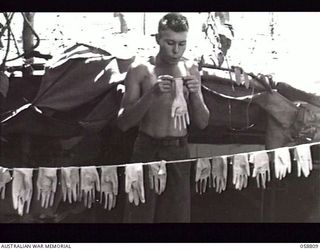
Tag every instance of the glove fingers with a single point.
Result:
(245, 181)
(52, 199)
(157, 185)
(90, 198)
(20, 206)
(204, 187)
(73, 194)
(151, 181)
(258, 181)
(110, 202)
(2, 192)
(114, 201)
(115, 185)
(184, 121)
(47, 199)
(135, 197)
(85, 194)
(130, 195)
(188, 119)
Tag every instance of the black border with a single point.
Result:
(166, 233)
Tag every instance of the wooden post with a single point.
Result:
(27, 39)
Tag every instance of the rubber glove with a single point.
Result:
(241, 171)
(261, 167)
(90, 182)
(70, 183)
(203, 168)
(219, 170)
(179, 109)
(47, 186)
(134, 183)
(302, 155)
(158, 176)
(109, 186)
(22, 189)
(5, 177)
(282, 162)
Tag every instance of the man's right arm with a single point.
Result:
(134, 106)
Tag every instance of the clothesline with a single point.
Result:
(181, 161)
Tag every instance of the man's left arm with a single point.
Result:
(198, 110)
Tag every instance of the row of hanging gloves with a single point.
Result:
(81, 183)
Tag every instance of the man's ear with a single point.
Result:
(157, 38)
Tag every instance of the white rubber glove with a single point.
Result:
(158, 176)
(109, 186)
(282, 162)
(241, 171)
(179, 109)
(219, 172)
(90, 182)
(134, 183)
(70, 183)
(22, 189)
(303, 157)
(5, 177)
(203, 169)
(261, 167)
(47, 186)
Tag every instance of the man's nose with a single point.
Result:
(176, 49)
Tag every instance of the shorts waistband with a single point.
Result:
(165, 141)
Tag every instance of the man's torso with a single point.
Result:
(158, 122)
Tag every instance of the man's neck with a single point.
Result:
(162, 63)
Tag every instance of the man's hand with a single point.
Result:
(46, 186)
(90, 182)
(70, 183)
(109, 186)
(163, 84)
(193, 84)
(5, 177)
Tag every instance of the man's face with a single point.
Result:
(172, 45)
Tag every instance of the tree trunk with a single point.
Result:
(27, 35)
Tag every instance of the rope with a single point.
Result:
(185, 160)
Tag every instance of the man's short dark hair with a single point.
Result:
(173, 21)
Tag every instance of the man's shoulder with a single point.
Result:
(191, 65)
(141, 64)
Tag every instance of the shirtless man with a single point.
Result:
(147, 103)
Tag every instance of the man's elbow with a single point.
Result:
(203, 124)
(122, 125)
